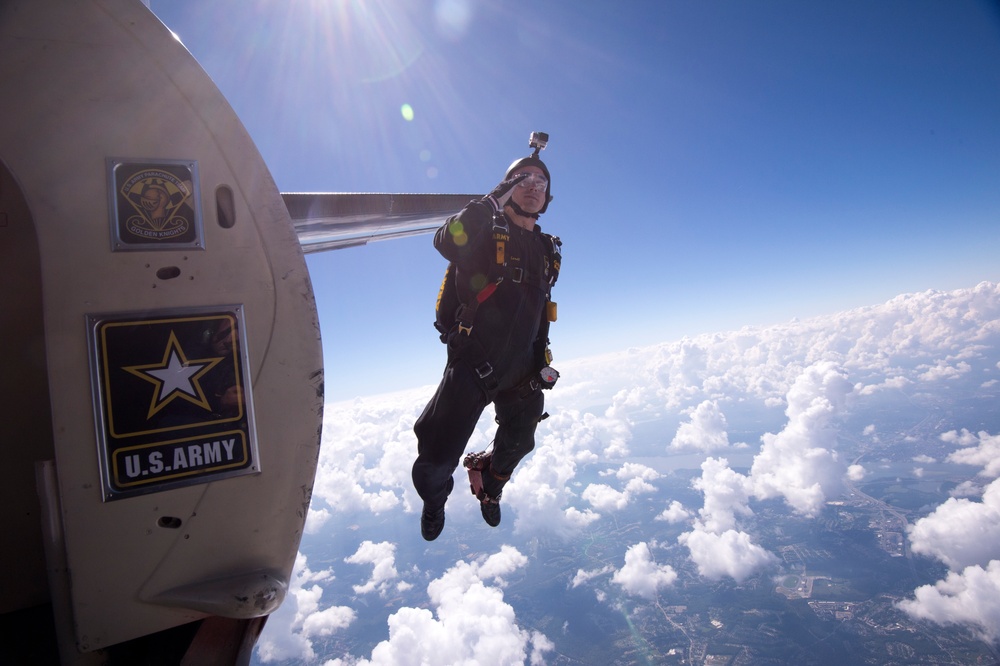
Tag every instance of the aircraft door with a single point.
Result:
(161, 341)
(26, 420)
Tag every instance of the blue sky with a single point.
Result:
(714, 164)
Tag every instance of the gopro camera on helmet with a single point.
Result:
(538, 141)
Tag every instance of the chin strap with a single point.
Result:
(520, 211)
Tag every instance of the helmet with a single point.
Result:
(533, 161)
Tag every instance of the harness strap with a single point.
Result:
(476, 463)
(465, 314)
(528, 386)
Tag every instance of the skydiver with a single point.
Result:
(494, 311)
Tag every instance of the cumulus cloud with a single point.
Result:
(540, 489)
(583, 576)
(315, 520)
(382, 557)
(856, 472)
(637, 477)
(967, 489)
(961, 532)
(970, 598)
(642, 576)
(289, 630)
(730, 553)
(727, 495)
(366, 454)
(715, 546)
(800, 463)
(960, 438)
(706, 431)
(982, 450)
(631, 471)
(675, 513)
(468, 622)
(941, 370)
(964, 534)
(605, 498)
(540, 645)
(327, 621)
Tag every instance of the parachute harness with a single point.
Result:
(477, 463)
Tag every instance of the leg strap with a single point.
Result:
(476, 463)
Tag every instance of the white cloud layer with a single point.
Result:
(798, 464)
(816, 369)
(965, 535)
(368, 444)
(289, 630)
(468, 622)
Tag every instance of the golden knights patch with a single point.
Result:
(155, 205)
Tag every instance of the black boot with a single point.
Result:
(491, 511)
(431, 522)
(492, 490)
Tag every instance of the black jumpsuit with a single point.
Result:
(511, 327)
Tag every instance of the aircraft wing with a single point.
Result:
(331, 221)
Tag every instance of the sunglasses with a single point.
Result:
(534, 180)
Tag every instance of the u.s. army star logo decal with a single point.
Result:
(176, 376)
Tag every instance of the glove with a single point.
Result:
(497, 199)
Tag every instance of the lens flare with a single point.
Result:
(458, 235)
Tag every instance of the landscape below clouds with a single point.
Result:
(704, 433)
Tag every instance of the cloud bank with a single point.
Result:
(965, 535)
(468, 622)
(291, 629)
(584, 467)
